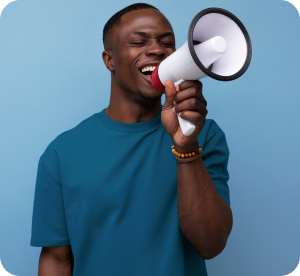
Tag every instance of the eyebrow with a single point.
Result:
(161, 36)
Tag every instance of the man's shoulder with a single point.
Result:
(71, 137)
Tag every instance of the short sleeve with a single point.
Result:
(48, 220)
(215, 155)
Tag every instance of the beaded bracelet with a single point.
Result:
(186, 157)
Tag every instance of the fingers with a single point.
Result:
(190, 83)
(169, 85)
(189, 89)
(193, 116)
(192, 104)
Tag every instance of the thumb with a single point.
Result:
(170, 93)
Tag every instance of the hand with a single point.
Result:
(191, 105)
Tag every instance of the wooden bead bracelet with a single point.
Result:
(186, 157)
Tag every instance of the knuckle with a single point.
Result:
(193, 90)
(183, 85)
(198, 117)
(193, 102)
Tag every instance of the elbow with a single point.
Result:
(210, 253)
(207, 255)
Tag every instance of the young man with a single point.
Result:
(110, 198)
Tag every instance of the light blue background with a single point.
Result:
(52, 77)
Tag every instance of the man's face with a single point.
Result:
(142, 39)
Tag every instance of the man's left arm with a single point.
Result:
(205, 218)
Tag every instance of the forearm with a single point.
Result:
(50, 266)
(204, 217)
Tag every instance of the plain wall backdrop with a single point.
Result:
(52, 77)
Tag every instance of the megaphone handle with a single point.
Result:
(187, 127)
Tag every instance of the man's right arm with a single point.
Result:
(56, 260)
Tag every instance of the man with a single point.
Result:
(110, 199)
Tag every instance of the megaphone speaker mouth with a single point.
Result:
(155, 81)
(226, 30)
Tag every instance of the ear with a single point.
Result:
(108, 60)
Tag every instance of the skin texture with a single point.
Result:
(204, 217)
(133, 98)
(56, 260)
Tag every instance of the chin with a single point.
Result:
(150, 96)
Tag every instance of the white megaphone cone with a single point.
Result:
(218, 46)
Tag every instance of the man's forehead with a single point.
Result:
(143, 20)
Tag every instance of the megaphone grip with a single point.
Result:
(186, 126)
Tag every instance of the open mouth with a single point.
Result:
(147, 70)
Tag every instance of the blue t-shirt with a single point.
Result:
(109, 189)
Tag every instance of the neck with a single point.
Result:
(129, 106)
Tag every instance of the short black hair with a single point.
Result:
(116, 18)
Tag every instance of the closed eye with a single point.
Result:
(168, 44)
(137, 43)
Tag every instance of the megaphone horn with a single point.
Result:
(218, 46)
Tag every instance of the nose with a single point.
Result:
(155, 49)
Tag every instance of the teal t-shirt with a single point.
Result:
(109, 189)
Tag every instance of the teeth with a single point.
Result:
(148, 68)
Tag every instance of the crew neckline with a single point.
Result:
(129, 127)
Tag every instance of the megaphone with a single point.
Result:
(218, 46)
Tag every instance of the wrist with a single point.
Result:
(187, 149)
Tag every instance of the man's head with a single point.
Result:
(116, 18)
(135, 38)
